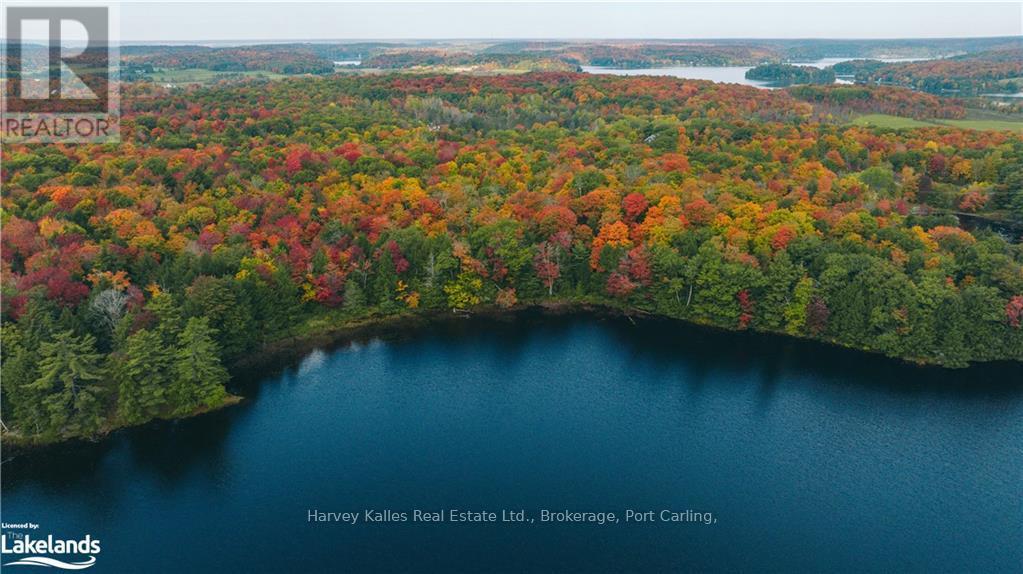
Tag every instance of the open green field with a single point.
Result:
(893, 122)
(897, 122)
(985, 124)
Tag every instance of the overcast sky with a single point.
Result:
(143, 20)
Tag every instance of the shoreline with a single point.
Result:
(375, 325)
(21, 446)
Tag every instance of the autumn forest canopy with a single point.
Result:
(238, 214)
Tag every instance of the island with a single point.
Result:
(787, 75)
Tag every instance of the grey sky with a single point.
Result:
(196, 21)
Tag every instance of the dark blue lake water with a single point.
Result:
(809, 459)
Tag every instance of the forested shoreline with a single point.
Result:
(240, 214)
(787, 74)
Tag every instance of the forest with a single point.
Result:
(845, 99)
(231, 216)
(995, 71)
(785, 74)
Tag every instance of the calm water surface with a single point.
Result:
(811, 459)
(724, 74)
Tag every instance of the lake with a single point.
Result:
(724, 74)
(807, 457)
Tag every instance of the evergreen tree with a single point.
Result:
(355, 299)
(21, 404)
(276, 303)
(199, 376)
(215, 299)
(168, 317)
(69, 367)
(795, 312)
(143, 372)
(779, 282)
(385, 278)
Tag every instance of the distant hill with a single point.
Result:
(994, 71)
(317, 58)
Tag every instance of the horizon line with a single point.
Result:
(253, 41)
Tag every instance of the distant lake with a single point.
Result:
(720, 74)
(723, 74)
(811, 458)
(825, 62)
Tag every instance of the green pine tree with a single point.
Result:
(215, 299)
(795, 311)
(168, 317)
(21, 404)
(199, 377)
(779, 284)
(69, 367)
(143, 373)
(354, 300)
